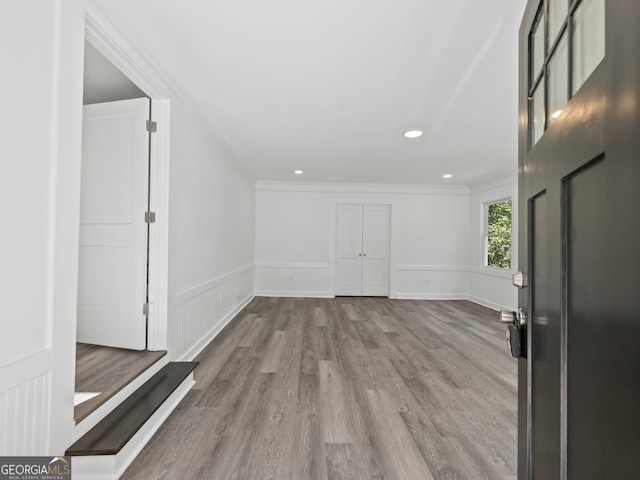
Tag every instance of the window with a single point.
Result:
(566, 44)
(497, 235)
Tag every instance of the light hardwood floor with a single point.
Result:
(346, 388)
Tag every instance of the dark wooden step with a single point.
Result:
(116, 429)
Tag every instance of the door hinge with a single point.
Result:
(152, 126)
(147, 308)
(149, 217)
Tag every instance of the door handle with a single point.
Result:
(507, 316)
(517, 318)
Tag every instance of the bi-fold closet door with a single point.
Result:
(362, 250)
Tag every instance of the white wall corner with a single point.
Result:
(65, 222)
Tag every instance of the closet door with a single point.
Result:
(349, 250)
(362, 250)
(375, 250)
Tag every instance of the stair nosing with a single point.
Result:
(87, 445)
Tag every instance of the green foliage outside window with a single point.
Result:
(498, 235)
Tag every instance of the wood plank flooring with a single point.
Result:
(107, 370)
(346, 388)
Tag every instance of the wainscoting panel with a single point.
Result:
(202, 312)
(292, 279)
(24, 406)
(432, 282)
(493, 288)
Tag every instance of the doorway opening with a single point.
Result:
(118, 263)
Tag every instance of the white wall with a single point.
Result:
(40, 123)
(206, 210)
(436, 240)
(292, 242)
(295, 235)
(431, 238)
(488, 286)
(213, 238)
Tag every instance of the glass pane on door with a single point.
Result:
(536, 123)
(558, 80)
(557, 10)
(537, 53)
(588, 40)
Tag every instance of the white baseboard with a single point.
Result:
(431, 296)
(488, 304)
(111, 467)
(290, 294)
(452, 296)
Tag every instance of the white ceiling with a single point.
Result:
(328, 86)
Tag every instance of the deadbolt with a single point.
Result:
(520, 280)
(522, 317)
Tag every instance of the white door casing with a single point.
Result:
(112, 272)
(362, 250)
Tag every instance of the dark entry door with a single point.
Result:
(579, 159)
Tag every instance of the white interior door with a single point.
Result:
(375, 250)
(112, 273)
(349, 250)
(362, 250)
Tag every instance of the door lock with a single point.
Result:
(517, 318)
(520, 280)
(507, 316)
(515, 331)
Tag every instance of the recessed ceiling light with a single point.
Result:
(412, 133)
(447, 175)
(298, 172)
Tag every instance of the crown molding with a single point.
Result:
(360, 188)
